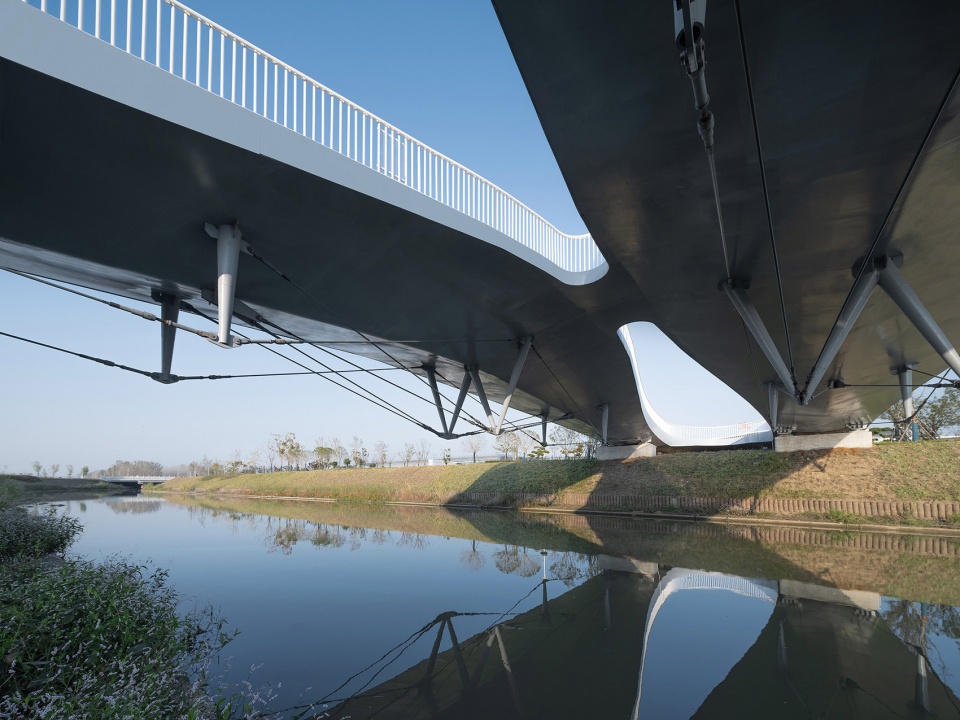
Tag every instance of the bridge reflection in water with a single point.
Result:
(673, 620)
(592, 652)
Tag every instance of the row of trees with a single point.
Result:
(935, 414)
(286, 452)
(54, 470)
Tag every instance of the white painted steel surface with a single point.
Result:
(188, 45)
(680, 579)
(691, 435)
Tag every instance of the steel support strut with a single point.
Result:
(229, 244)
(751, 318)
(773, 398)
(169, 314)
(851, 310)
(604, 422)
(525, 344)
(905, 376)
(432, 377)
(899, 290)
(448, 433)
(481, 394)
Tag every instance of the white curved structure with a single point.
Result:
(188, 45)
(679, 580)
(676, 435)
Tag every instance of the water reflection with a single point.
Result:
(136, 505)
(617, 618)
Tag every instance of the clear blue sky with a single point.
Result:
(441, 71)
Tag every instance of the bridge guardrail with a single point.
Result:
(175, 38)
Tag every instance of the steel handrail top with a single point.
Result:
(203, 53)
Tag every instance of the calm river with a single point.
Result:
(406, 612)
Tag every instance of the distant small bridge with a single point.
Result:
(137, 480)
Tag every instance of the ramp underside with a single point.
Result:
(100, 194)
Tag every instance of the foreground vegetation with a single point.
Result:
(80, 639)
(892, 471)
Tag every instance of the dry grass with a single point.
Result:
(921, 471)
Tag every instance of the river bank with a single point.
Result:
(24, 489)
(903, 483)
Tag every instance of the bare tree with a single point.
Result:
(381, 452)
(409, 451)
(54, 469)
(358, 453)
(271, 452)
(474, 444)
(423, 452)
(253, 463)
(339, 451)
(524, 443)
(508, 444)
(473, 559)
(571, 442)
(69, 471)
(37, 467)
(322, 452)
(236, 463)
(279, 446)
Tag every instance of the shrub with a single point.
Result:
(25, 534)
(841, 516)
(102, 640)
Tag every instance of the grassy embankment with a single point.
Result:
(927, 471)
(22, 489)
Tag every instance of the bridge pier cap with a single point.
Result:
(824, 441)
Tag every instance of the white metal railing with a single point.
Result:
(173, 37)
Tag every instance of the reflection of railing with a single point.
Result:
(679, 579)
(175, 38)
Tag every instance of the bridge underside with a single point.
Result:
(847, 106)
(111, 168)
(101, 194)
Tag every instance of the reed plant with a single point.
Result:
(84, 639)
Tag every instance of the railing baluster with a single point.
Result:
(183, 51)
(209, 58)
(221, 64)
(313, 114)
(156, 58)
(285, 73)
(113, 22)
(276, 83)
(96, 20)
(233, 71)
(173, 35)
(143, 29)
(129, 21)
(243, 78)
(196, 72)
(80, 14)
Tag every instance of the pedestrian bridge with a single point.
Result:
(194, 170)
(137, 480)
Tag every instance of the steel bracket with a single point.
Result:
(737, 292)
